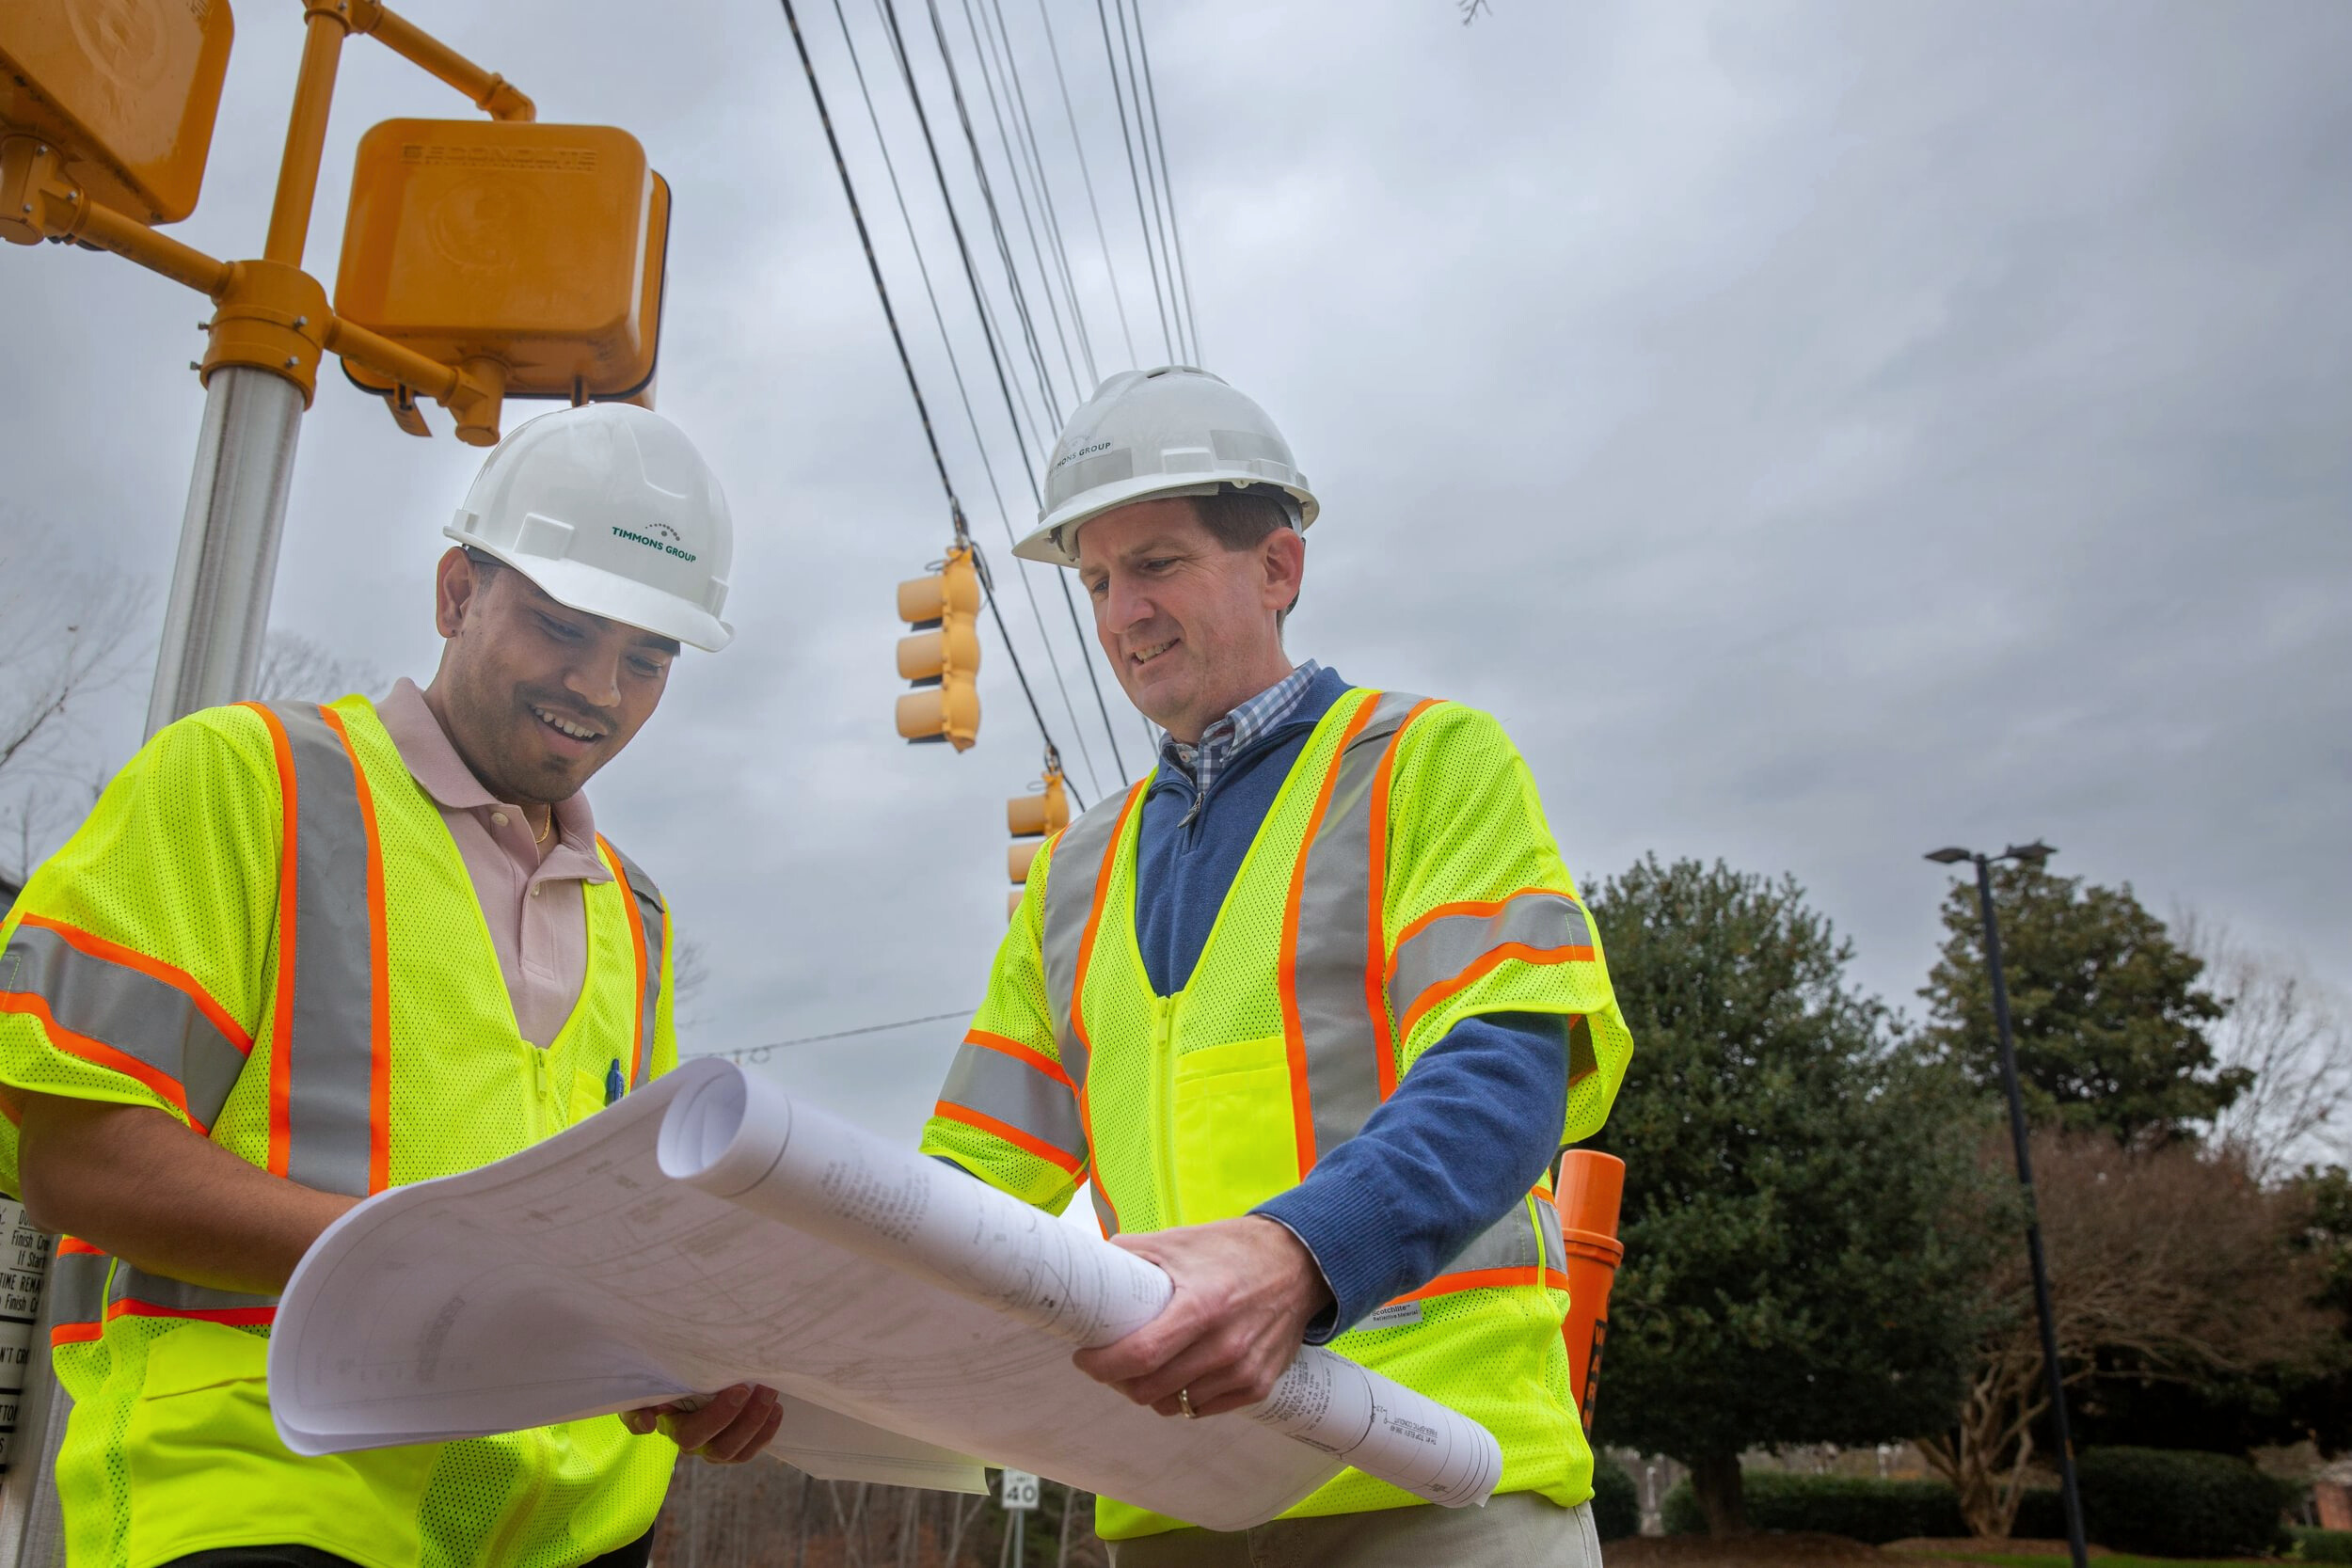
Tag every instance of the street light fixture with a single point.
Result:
(2035, 855)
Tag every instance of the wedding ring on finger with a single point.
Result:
(1184, 1401)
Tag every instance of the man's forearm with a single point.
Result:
(1466, 1132)
(130, 1179)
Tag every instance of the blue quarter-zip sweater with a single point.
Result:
(1466, 1132)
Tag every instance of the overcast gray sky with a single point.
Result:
(1820, 433)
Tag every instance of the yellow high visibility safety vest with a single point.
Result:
(1403, 881)
(265, 929)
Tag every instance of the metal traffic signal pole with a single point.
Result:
(2033, 854)
(221, 586)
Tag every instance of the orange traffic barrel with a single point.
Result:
(1592, 1186)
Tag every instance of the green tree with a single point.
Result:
(2111, 1026)
(1798, 1262)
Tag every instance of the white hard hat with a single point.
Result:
(1175, 431)
(610, 510)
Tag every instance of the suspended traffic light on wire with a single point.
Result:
(942, 657)
(1030, 818)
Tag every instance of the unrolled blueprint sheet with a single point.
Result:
(708, 1229)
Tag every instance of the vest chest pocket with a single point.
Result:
(1232, 1131)
(204, 1461)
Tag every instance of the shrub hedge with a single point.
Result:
(2324, 1545)
(1616, 1501)
(2168, 1502)
(1860, 1507)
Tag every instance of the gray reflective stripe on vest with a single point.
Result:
(1512, 1242)
(1335, 945)
(1080, 860)
(177, 1295)
(1542, 922)
(1005, 1089)
(654, 920)
(148, 1020)
(76, 1286)
(330, 1045)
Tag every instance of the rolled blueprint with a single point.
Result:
(743, 1139)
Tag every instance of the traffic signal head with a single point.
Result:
(942, 657)
(127, 91)
(1030, 818)
(540, 246)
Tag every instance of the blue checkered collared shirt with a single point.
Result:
(1222, 740)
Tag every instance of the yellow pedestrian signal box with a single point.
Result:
(540, 247)
(1031, 819)
(127, 89)
(942, 657)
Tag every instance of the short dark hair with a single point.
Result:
(1241, 519)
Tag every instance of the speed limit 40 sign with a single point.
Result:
(1020, 1494)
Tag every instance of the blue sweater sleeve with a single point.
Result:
(1468, 1132)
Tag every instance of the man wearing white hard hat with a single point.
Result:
(1311, 1011)
(299, 954)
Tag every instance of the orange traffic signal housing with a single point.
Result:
(539, 246)
(942, 657)
(1030, 818)
(128, 91)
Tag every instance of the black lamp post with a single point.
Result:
(2034, 855)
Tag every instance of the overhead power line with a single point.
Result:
(963, 394)
(990, 333)
(757, 1053)
(1152, 178)
(1110, 273)
(1167, 185)
(1119, 96)
(922, 409)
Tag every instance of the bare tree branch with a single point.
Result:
(293, 669)
(2290, 1032)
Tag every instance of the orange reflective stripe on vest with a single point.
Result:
(647, 924)
(1003, 1088)
(1075, 887)
(328, 1100)
(126, 1012)
(1336, 1025)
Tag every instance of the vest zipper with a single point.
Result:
(1164, 1122)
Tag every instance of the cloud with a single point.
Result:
(1820, 434)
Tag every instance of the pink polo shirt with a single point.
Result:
(537, 915)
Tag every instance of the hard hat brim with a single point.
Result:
(593, 591)
(1044, 542)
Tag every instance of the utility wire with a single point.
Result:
(1000, 49)
(1016, 391)
(755, 1055)
(955, 508)
(1151, 177)
(1167, 184)
(955, 369)
(1119, 96)
(996, 219)
(1110, 273)
(983, 51)
(971, 272)
(1045, 193)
